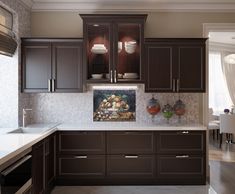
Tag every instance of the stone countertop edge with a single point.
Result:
(77, 127)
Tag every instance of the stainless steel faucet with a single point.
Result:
(25, 115)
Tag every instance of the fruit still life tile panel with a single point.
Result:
(114, 105)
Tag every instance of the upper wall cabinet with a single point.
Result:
(175, 65)
(52, 65)
(113, 48)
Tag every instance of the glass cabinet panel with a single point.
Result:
(98, 51)
(129, 40)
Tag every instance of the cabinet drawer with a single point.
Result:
(181, 166)
(130, 142)
(82, 166)
(130, 166)
(181, 142)
(81, 143)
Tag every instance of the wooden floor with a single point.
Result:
(222, 167)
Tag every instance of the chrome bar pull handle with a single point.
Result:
(80, 157)
(173, 85)
(111, 76)
(131, 156)
(53, 85)
(178, 85)
(182, 156)
(115, 76)
(49, 85)
(185, 132)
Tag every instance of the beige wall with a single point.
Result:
(162, 24)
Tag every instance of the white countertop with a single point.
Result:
(128, 127)
(11, 144)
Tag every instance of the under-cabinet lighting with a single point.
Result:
(105, 87)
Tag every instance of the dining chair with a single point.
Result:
(214, 124)
(227, 126)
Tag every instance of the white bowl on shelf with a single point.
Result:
(97, 76)
(99, 49)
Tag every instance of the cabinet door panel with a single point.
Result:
(191, 68)
(67, 67)
(82, 142)
(36, 59)
(124, 166)
(50, 161)
(83, 166)
(159, 61)
(181, 142)
(38, 168)
(130, 142)
(175, 167)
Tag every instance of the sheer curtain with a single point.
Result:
(229, 74)
(219, 97)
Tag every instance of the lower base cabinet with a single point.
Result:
(82, 166)
(43, 163)
(131, 166)
(181, 169)
(150, 159)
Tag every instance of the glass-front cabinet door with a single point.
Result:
(98, 52)
(114, 45)
(128, 63)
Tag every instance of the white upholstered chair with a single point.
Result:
(214, 124)
(227, 126)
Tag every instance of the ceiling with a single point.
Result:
(222, 37)
(132, 5)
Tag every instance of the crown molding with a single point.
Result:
(27, 3)
(127, 6)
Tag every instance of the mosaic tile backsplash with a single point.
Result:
(78, 108)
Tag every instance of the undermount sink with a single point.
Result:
(29, 130)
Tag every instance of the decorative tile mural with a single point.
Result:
(114, 105)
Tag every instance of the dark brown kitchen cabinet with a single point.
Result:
(44, 165)
(52, 65)
(81, 142)
(113, 48)
(175, 65)
(82, 166)
(131, 167)
(181, 142)
(50, 162)
(181, 157)
(81, 157)
(38, 170)
(130, 143)
(131, 157)
(181, 169)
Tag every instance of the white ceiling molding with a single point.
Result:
(215, 46)
(130, 5)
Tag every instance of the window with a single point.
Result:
(219, 98)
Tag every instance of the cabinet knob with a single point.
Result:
(185, 132)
